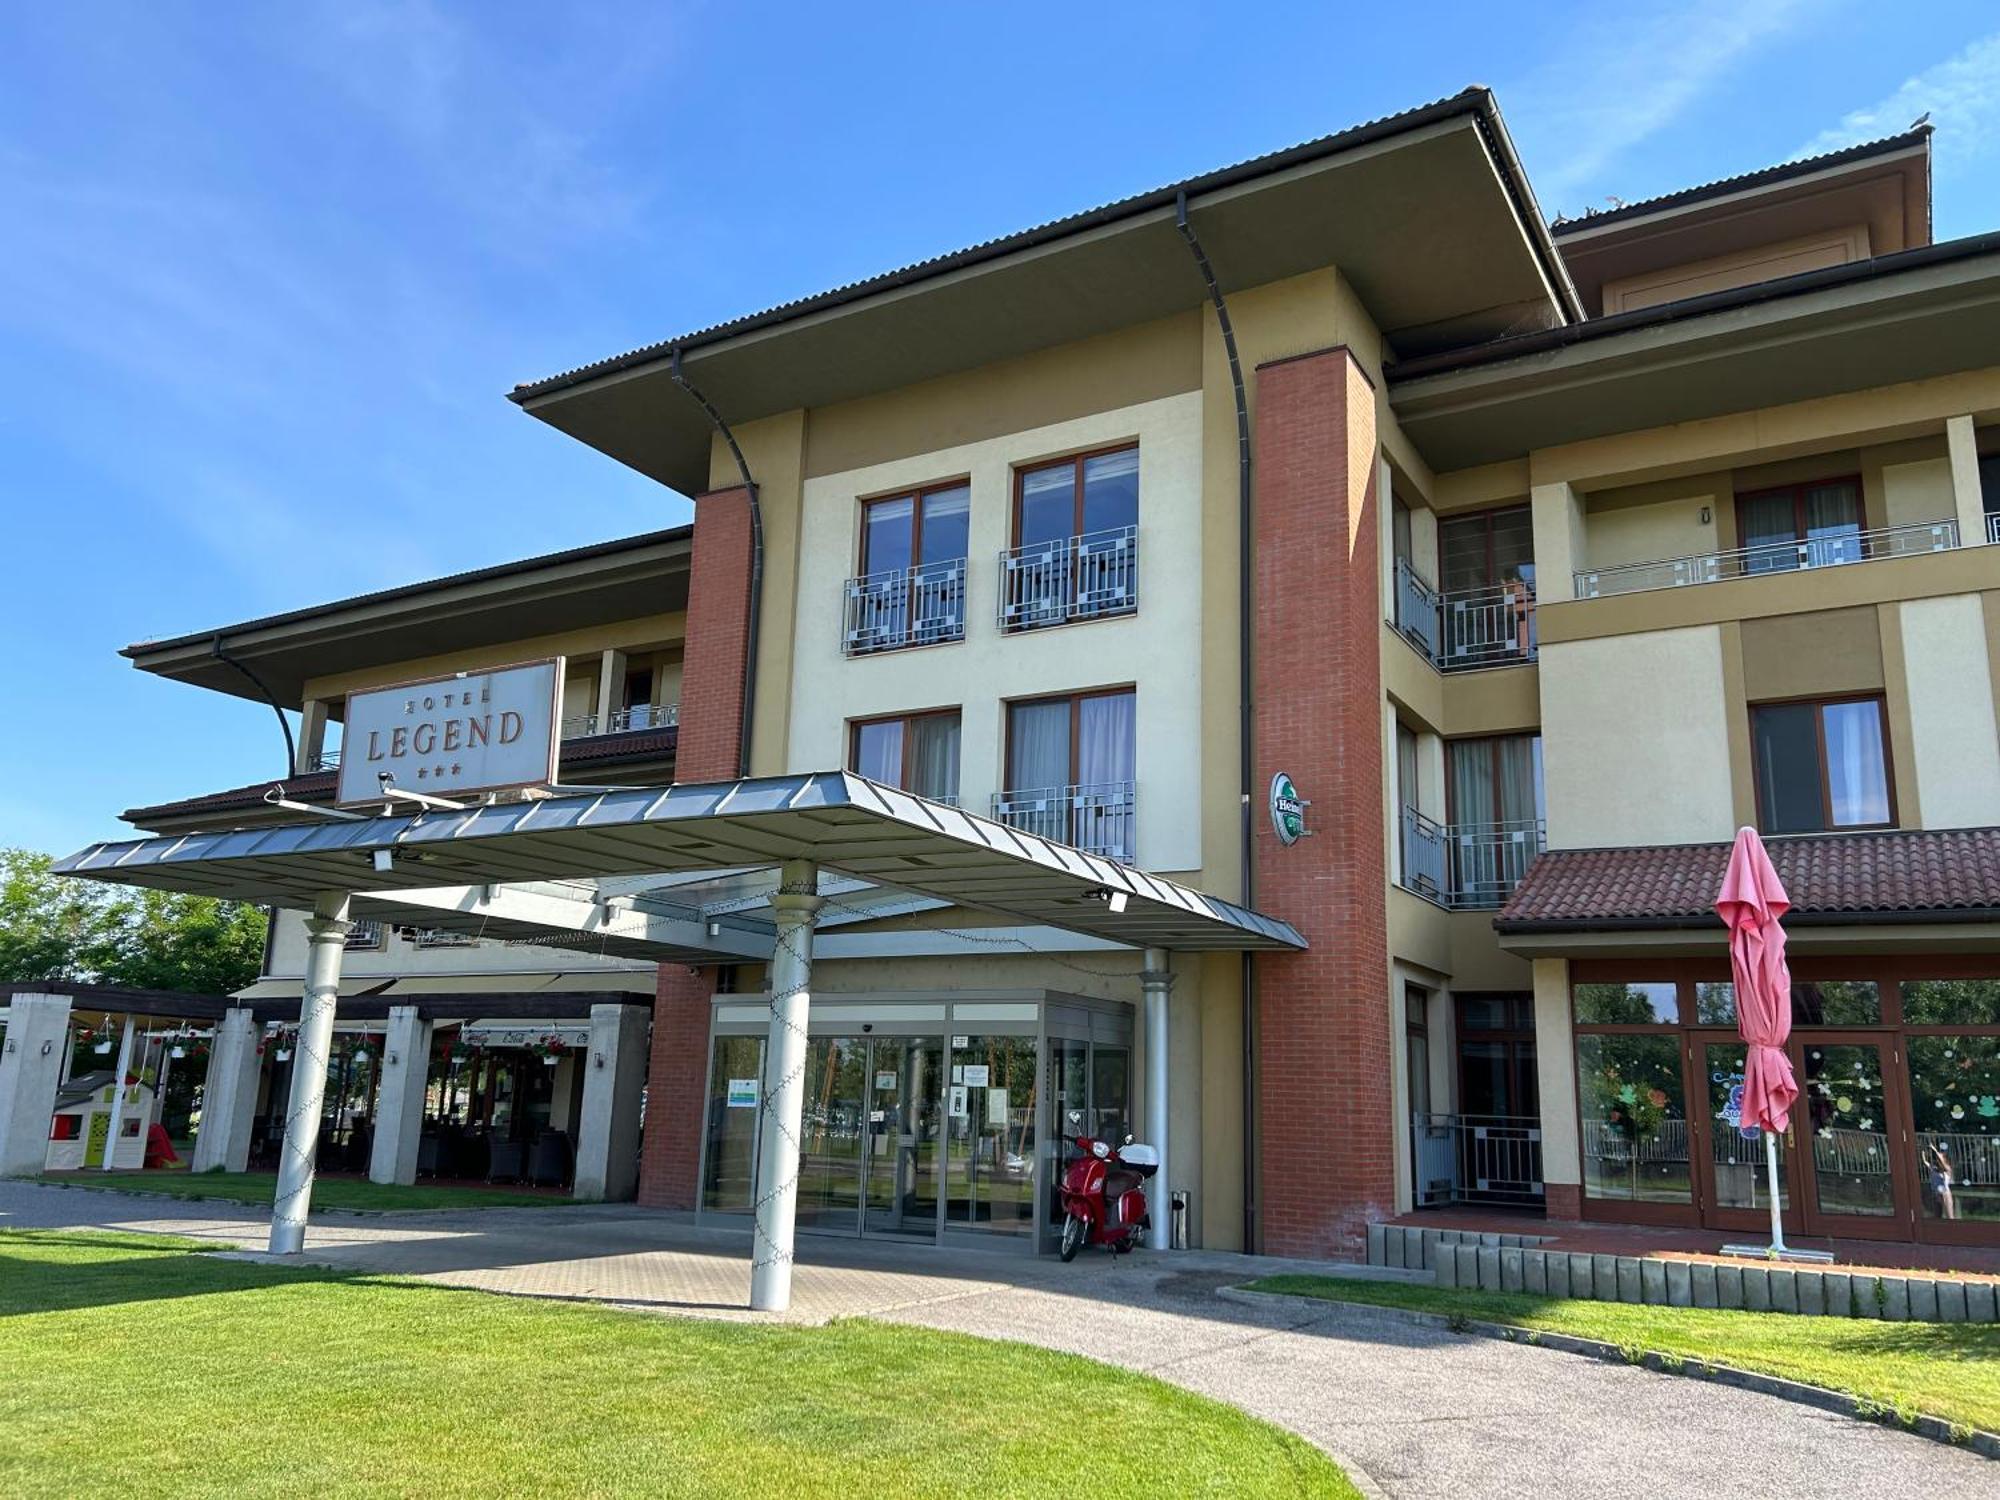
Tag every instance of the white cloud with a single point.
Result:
(1620, 80)
(1961, 95)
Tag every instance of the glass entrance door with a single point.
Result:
(905, 1103)
(830, 1147)
(1854, 1183)
(990, 1103)
(1735, 1190)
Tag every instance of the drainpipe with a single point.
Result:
(749, 719)
(1246, 760)
(284, 724)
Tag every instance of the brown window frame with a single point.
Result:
(1075, 702)
(1077, 461)
(1487, 517)
(1798, 494)
(1820, 701)
(1492, 742)
(916, 497)
(855, 726)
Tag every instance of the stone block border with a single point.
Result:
(1518, 1262)
(1840, 1403)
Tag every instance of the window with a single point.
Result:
(1487, 551)
(1821, 765)
(1070, 770)
(917, 752)
(1496, 780)
(1399, 531)
(1801, 526)
(1076, 541)
(915, 530)
(1646, 1003)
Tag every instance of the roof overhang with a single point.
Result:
(1427, 214)
(1926, 312)
(1804, 936)
(837, 820)
(628, 579)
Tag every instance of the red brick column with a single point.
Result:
(1563, 1200)
(706, 749)
(718, 629)
(1326, 1132)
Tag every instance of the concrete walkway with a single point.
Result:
(1414, 1412)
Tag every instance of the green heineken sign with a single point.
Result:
(1288, 810)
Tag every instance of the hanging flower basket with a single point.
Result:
(550, 1049)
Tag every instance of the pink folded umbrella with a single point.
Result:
(1751, 901)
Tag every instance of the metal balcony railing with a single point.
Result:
(1770, 557)
(1098, 820)
(1086, 577)
(1493, 627)
(1993, 527)
(1476, 1159)
(618, 721)
(1468, 866)
(325, 760)
(920, 606)
(366, 933)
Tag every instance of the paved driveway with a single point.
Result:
(1416, 1412)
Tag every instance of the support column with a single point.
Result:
(783, 1095)
(1156, 983)
(614, 1079)
(326, 939)
(610, 687)
(117, 1122)
(31, 1064)
(1962, 443)
(312, 736)
(399, 1106)
(229, 1098)
(1561, 551)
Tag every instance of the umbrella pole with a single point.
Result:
(1771, 1166)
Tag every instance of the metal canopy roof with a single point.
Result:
(840, 821)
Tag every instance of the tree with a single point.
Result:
(53, 929)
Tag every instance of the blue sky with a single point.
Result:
(266, 272)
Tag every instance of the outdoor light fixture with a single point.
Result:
(47, 1048)
(715, 929)
(385, 861)
(1113, 900)
(1117, 903)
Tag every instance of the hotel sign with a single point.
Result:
(469, 732)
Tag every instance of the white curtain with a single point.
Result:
(1105, 739)
(878, 752)
(1857, 779)
(1038, 745)
(934, 756)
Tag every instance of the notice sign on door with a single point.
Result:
(976, 1075)
(958, 1109)
(885, 1083)
(742, 1093)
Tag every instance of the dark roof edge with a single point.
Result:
(1722, 187)
(1476, 101)
(1521, 345)
(1708, 920)
(410, 590)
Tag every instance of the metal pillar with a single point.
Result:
(326, 940)
(783, 1103)
(118, 1096)
(399, 1110)
(1156, 982)
(229, 1097)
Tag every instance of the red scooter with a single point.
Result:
(1102, 1201)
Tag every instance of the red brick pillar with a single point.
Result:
(1326, 1133)
(706, 749)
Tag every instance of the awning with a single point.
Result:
(840, 821)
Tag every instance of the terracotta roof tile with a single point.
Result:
(1928, 873)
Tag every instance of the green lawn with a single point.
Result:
(328, 1192)
(137, 1368)
(1943, 1370)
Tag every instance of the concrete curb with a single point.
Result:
(265, 1208)
(1839, 1403)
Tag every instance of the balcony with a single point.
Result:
(1772, 557)
(1993, 528)
(1088, 577)
(622, 720)
(1098, 820)
(1476, 1159)
(1470, 628)
(1468, 866)
(899, 607)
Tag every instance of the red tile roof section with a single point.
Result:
(1929, 874)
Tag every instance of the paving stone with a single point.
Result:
(1923, 1300)
(1377, 1247)
(1653, 1281)
(1392, 1247)
(1605, 1269)
(1729, 1287)
(1811, 1287)
(1703, 1277)
(1951, 1301)
(1446, 1269)
(1784, 1290)
(1512, 1276)
(1895, 1300)
(1489, 1267)
(1980, 1302)
(1558, 1272)
(1680, 1284)
(1535, 1272)
(1582, 1278)
(1756, 1289)
(1631, 1281)
(1467, 1257)
(1837, 1294)
(1489, 1240)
